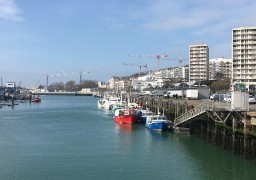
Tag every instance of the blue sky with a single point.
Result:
(51, 36)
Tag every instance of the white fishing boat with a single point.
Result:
(101, 103)
(111, 101)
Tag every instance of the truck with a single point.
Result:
(192, 93)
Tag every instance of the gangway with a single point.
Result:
(193, 113)
(210, 108)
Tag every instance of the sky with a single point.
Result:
(40, 38)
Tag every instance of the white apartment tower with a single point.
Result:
(198, 62)
(244, 56)
(222, 66)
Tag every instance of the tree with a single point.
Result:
(220, 85)
(71, 86)
(58, 86)
(88, 84)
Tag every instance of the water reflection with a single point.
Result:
(123, 127)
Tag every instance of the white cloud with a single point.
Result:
(173, 15)
(9, 10)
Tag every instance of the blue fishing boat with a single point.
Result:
(142, 115)
(158, 123)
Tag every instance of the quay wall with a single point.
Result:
(234, 131)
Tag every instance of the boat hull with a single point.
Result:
(157, 126)
(101, 104)
(126, 119)
(36, 100)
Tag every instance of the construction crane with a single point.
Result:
(51, 75)
(61, 74)
(80, 75)
(156, 57)
(180, 60)
(159, 57)
(139, 65)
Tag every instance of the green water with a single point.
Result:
(68, 137)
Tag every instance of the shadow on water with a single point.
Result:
(215, 161)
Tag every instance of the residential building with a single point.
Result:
(184, 72)
(111, 82)
(244, 56)
(198, 62)
(220, 66)
(102, 85)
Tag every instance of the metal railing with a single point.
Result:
(193, 113)
(200, 109)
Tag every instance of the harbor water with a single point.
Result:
(68, 137)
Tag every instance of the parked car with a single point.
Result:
(252, 99)
(212, 96)
(227, 98)
(218, 97)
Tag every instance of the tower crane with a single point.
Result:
(51, 75)
(139, 65)
(80, 75)
(180, 60)
(159, 57)
(61, 74)
(156, 57)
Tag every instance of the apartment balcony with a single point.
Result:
(251, 42)
(236, 33)
(251, 58)
(245, 47)
(237, 48)
(236, 42)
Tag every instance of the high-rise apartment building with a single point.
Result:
(220, 67)
(198, 62)
(244, 56)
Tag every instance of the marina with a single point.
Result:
(127, 90)
(67, 137)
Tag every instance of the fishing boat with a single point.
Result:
(126, 116)
(143, 113)
(118, 106)
(36, 100)
(101, 103)
(158, 123)
(133, 105)
(110, 102)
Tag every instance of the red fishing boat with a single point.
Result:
(126, 116)
(36, 100)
